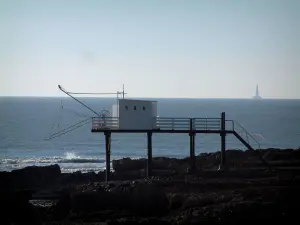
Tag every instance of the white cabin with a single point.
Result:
(135, 114)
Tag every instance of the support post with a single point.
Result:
(223, 140)
(107, 153)
(192, 147)
(149, 162)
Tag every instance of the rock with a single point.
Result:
(15, 207)
(127, 164)
(34, 176)
(191, 201)
(129, 175)
(176, 200)
(89, 201)
(139, 221)
(149, 199)
(5, 181)
(63, 206)
(208, 160)
(80, 178)
(158, 163)
(235, 159)
(164, 163)
(161, 173)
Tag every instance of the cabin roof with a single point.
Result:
(137, 100)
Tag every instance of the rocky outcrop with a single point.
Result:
(30, 177)
(16, 203)
(34, 176)
(79, 178)
(209, 196)
(127, 164)
(160, 165)
(149, 200)
(210, 161)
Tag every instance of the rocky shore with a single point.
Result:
(246, 190)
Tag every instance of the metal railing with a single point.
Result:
(163, 123)
(193, 124)
(229, 124)
(207, 124)
(105, 123)
(169, 123)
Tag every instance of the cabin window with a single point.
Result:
(134, 107)
(126, 107)
(144, 108)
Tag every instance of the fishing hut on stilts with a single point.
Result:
(140, 116)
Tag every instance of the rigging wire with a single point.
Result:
(68, 93)
(60, 118)
(63, 133)
(60, 115)
(69, 129)
(81, 123)
(77, 113)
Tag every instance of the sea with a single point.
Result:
(26, 123)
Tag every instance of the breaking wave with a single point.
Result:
(68, 163)
(68, 157)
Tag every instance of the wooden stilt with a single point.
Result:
(192, 147)
(107, 153)
(223, 140)
(149, 162)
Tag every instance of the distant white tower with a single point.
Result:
(257, 96)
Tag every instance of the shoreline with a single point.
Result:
(93, 161)
(246, 190)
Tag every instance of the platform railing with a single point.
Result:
(164, 123)
(105, 123)
(171, 123)
(182, 123)
(207, 124)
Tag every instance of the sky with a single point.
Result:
(156, 48)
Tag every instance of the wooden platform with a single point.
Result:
(179, 131)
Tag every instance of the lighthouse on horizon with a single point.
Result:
(257, 96)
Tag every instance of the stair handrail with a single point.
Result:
(232, 124)
(247, 133)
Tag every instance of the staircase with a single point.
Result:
(246, 140)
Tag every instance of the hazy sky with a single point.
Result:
(157, 48)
